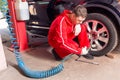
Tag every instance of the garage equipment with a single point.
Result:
(85, 61)
(18, 25)
(21, 10)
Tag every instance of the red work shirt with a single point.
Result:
(61, 35)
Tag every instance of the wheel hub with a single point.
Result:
(93, 35)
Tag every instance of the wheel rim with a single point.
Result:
(98, 34)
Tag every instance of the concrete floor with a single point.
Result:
(40, 58)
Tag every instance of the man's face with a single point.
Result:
(77, 20)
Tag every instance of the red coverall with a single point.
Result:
(61, 36)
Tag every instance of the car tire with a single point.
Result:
(103, 28)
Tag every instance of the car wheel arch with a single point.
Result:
(109, 9)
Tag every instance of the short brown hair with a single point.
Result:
(80, 10)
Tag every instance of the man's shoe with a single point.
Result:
(88, 56)
(57, 57)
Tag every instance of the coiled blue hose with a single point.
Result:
(22, 66)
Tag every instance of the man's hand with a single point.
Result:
(84, 51)
(77, 29)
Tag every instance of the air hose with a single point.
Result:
(20, 62)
